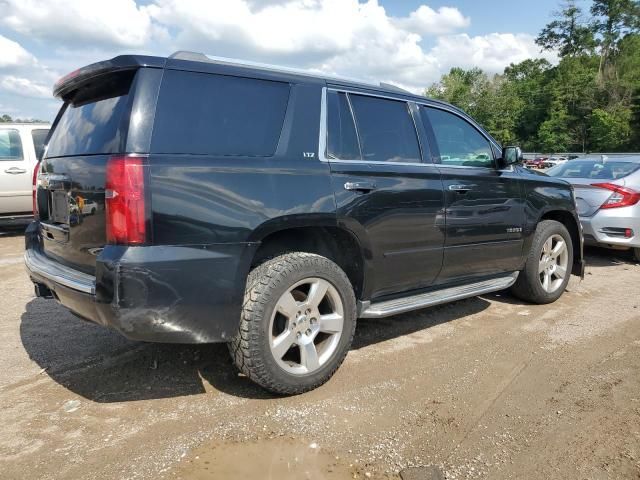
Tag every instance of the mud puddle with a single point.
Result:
(276, 459)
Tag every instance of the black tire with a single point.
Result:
(636, 254)
(250, 347)
(528, 286)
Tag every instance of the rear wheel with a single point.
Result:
(297, 323)
(636, 253)
(548, 266)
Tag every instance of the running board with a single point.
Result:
(429, 299)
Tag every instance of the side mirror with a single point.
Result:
(511, 155)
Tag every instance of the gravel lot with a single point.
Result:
(487, 387)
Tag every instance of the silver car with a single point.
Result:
(607, 194)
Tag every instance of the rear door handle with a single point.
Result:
(360, 186)
(461, 188)
(15, 171)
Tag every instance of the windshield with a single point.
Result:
(596, 169)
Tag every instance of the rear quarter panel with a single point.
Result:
(208, 199)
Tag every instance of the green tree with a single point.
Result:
(554, 134)
(463, 88)
(610, 130)
(529, 79)
(569, 33)
(5, 119)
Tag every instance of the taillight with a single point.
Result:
(125, 201)
(34, 190)
(621, 196)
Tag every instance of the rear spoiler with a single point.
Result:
(71, 81)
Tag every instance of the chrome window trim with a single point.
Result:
(322, 144)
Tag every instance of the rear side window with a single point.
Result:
(207, 114)
(386, 130)
(39, 136)
(342, 140)
(459, 142)
(92, 119)
(10, 145)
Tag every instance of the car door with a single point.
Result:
(16, 171)
(384, 192)
(484, 209)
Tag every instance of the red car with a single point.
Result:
(537, 162)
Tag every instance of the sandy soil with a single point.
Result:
(488, 387)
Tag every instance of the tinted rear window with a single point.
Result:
(386, 130)
(206, 114)
(92, 119)
(610, 170)
(39, 136)
(10, 145)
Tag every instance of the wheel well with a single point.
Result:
(568, 221)
(333, 243)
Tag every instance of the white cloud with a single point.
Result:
(343, 37)
(24, 87)
(427, 21)
(119, 23)
(490, 52)
(13, 55)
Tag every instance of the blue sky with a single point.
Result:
(407, 42)
(490, 16)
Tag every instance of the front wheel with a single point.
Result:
(297, 324)
(548, 266)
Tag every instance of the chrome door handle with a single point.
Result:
(15, 170)
(461, 188)
(360, 186)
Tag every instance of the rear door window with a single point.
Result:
(207, 114)
(342, 140)
(386, 129)
(39, 136)
(94, 119)
(10, 145)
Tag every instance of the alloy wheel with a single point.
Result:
(306, 326)
(554, 261)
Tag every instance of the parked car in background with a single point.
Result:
(21, 147)
(537, 162)
(90, 207)
(270, 209)
(553, 161)
(608, 198)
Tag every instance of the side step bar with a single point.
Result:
(429, 299)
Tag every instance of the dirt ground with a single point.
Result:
(487, 387)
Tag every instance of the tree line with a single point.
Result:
(589, 101)
(8, 119)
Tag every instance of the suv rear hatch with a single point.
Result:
(107, 112)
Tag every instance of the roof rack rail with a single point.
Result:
(201, 57)
(187, 55)
(391, 86)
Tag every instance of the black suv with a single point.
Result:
(270, 209)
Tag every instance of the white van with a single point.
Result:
(21, 147)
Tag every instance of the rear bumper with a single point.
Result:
(598, 229)
(156, 293)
